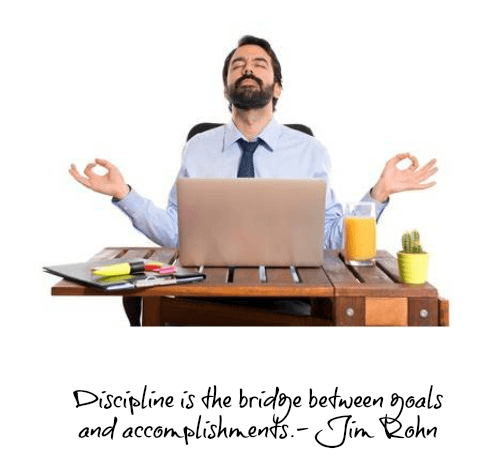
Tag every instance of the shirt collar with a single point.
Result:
(269, 135)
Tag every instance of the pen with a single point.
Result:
(166, 281)
(126, 268)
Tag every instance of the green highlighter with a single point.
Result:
(127, 268)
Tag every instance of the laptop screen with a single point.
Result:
(251, 221)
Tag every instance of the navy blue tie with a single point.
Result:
(246, 166)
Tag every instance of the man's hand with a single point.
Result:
(394, 180)
(111, 183)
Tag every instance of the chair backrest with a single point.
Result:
(202, 127)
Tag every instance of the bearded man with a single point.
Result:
(252, 144)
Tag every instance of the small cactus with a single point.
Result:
(411, 242)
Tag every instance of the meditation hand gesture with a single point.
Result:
(394, 180)
(111, 183)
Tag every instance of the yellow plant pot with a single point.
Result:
(413, 267)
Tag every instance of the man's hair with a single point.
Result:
(264, 44)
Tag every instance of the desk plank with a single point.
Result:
(313, 277)
(163, 254)
(246, 276)
(109, 253)
(229, 290)
(336, 270)
(279, 276)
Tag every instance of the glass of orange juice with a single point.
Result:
(359, 234)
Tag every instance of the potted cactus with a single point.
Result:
(412, 260)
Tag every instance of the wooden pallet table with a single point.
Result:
(333, 294)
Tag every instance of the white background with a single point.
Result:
(126, 81)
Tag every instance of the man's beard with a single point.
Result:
(247, 98)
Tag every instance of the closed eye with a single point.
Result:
(238, 62)
(260, 62)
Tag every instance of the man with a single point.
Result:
(252, 84)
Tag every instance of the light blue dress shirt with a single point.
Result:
(284, 153)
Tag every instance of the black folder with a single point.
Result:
(83, 273)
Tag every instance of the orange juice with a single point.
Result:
(360, 238)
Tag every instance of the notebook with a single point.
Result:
(83, 273)
(251, 221)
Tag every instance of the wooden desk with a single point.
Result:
(338, 295)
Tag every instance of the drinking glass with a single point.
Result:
(359, 234)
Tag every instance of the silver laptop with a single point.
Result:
(251, 221)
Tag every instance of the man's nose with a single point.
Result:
(248, 69)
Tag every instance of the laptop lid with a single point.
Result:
(251, 221)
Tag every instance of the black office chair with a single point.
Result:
(132, 304)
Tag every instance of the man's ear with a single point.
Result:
(226, 94)
(277, 90)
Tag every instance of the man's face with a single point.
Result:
(250, 79)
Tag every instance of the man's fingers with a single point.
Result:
(426, 172)
(76, 175)
(105, 163)
(429, 164)
(88, 169)
(432, 172)
(423, 186)
(397, 158)
(414, 162)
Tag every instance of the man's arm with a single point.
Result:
(159, 225)
(333, 221)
